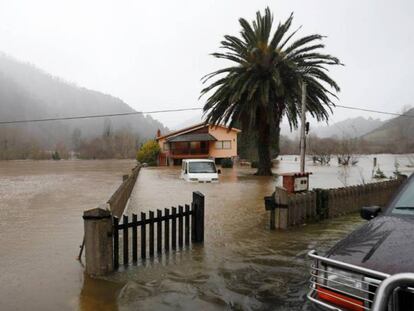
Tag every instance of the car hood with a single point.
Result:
(384, 244)
(203, 176)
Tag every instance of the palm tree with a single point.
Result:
(264, 83)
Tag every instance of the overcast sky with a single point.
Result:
(152, 54)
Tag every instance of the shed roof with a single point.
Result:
(191, 137)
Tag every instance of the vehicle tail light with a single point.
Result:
(340, 300)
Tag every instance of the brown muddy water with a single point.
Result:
(41, 205)
(241, 266)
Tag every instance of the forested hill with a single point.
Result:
(27, 92)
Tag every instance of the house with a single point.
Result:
(197, 142)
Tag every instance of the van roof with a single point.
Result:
(198, 160)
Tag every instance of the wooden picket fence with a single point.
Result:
(153, 239)
(296, 209)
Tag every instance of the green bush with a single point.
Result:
(255, 164)
(149, 153)
(379, 174)
(56, 156)
(227, 163)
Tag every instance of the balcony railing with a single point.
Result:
(189, 151)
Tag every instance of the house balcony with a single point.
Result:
(189, 153)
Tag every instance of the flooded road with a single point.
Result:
(241, 266)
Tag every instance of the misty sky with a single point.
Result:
(152, 54)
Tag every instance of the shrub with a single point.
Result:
(255, 164)
(56, 156)
(149, 153)
(379, 174)
(227, 163)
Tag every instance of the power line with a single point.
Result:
(376, 111)
(98, 116)
(175, 110)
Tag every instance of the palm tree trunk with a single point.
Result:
(263, 151)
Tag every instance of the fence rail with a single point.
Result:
(120, 197)
(153, 238)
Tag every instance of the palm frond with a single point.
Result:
(281, 31)
(264, 83)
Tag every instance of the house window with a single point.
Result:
(166, 146)
(223, 144)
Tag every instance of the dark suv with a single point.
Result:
(348, 276)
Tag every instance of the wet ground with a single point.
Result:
(241, 266)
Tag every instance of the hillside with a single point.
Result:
(27, 92)
(351, 127)
(397, 132)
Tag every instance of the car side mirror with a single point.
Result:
(369, 212)
(219, 171)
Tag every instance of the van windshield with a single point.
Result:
(405, 202)
(202, 167)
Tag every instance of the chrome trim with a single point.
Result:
(343, 284)
(346, 266)
(323, 304)
(341, 292)
(387, 287)
(386, 284)
(374, 282)
(370, 280)
(350, 302)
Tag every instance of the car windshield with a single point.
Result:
(202, 167)
(405, 202)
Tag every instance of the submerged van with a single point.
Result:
(199, 170)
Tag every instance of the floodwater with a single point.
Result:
(241, 265)
(41, 227)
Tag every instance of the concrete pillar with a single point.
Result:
(282, 208)
(98, 241)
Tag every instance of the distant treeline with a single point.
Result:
(19, 144)
(324, 147)
(316, 145)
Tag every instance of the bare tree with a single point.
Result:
(321, 149)
(346, 152)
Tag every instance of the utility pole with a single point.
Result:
(302, 130)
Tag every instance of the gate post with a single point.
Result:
(98, 241)
(197, 230)
(282, 200)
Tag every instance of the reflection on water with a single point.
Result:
(241, 266)
(99, 294)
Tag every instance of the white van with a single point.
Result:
(199, 170)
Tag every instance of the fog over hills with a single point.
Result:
(27, 92)
(349, 128)
(398, 130)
